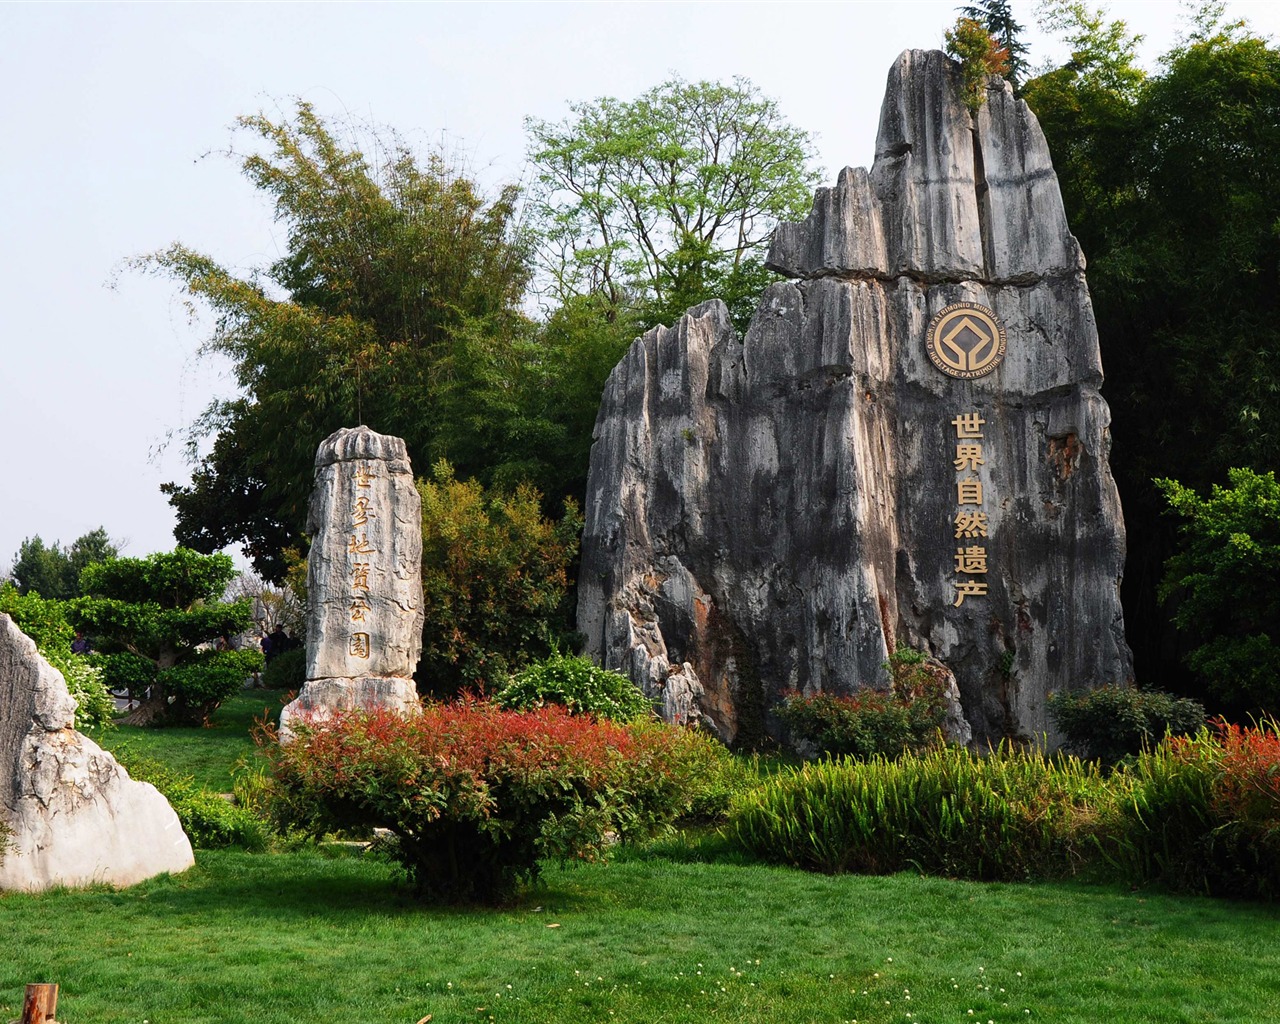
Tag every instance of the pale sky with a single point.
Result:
(109, 111)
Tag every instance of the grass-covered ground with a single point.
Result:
(308, 937)
(208, 754)
(659, 935)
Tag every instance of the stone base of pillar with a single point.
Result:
(320, 699)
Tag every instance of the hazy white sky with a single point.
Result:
(109, 111)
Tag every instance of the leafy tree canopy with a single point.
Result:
(398, 280)
(661, 202)
(1224, 585)
(54, 573)
(151, 617)
(996, 16)
(495, 581)
(1168, 180)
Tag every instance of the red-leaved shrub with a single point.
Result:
(475, 795)
(1204, 812)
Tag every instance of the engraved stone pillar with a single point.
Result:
(364, 580)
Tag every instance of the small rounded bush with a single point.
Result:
(578, 684)
(287, 671)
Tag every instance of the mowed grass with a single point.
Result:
(208, 754)
(306, 936)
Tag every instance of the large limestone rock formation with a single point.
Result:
(779, 512)
(364, 579)
(73, 815)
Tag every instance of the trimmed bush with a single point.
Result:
(1009, 815)
(579, 685)
(1114, 722)
(475, 795)
(287, 671)
(210, 821)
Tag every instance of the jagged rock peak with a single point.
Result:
(951, 196)
(779, 513)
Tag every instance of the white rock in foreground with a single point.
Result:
(75, 816)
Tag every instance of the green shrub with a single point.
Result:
(210, 821)
(494, 580)
(287, 671)
(1113, 722)
(476, 795)
(1224, 585)
(1008, 815)
(45, 621)
(871, 722)
(578, 684)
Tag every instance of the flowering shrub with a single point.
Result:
(580, 685)
(475, 795)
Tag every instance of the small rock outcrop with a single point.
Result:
(908, 447)
(73, 815)
(364, 579)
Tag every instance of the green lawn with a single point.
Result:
(308, 937)
(657, 936)
(207, 754)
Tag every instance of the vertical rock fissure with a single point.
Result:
(982, 198)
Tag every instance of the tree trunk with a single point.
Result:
(150, 711)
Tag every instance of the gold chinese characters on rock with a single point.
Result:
(970, 520)
(362, 555)
(966, 340)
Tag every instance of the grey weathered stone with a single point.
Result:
(364, 578)
(776, 513)
(75, 816)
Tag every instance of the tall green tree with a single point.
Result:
(658, 203)
(152, 619)
(1169, 183)
(400, 283)
(54, 573)
(1224, 586)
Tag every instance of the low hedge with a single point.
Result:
(1110, 723)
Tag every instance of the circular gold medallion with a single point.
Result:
(965, 340)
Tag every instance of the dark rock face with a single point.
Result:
(778, 513)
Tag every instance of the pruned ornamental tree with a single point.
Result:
(664, 201)
(156, 621)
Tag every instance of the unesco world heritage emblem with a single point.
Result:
(965, 340)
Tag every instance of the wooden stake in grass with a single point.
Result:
(40, 1004)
